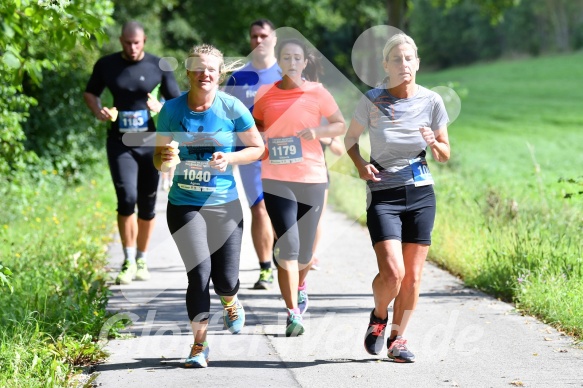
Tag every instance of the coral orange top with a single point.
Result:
(284, 113)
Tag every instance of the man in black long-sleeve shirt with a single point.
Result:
(131, 75)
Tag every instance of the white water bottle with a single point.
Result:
(166, 166)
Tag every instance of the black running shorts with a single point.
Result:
(405, 213)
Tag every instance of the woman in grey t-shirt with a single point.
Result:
(403, 118)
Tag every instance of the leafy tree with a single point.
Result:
(453, 36)
(173, 27)
(457, 32)
(494, 9)
(38, 36)
(60, 129)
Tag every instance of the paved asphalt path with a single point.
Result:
(461, 337)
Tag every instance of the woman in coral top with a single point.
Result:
(289, 113)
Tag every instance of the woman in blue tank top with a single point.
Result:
(204, 213)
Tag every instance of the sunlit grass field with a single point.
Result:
(510, 200)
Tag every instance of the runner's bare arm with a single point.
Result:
(365, 169)
(438, 141)
(94, 103)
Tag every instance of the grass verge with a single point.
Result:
(54, 238)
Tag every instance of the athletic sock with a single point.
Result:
(141, 255)
(266, 265)
(228, 304)
(302, 287)
(129, 254)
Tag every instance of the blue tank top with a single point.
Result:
(199, 135)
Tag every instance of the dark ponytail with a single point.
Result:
(313, 68)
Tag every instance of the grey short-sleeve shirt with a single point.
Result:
(393, 125)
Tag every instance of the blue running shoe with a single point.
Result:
(198, 357)
(234, 316)
(302, 301)
(294, 325)
(398, 351)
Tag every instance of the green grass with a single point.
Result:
(53, 239)
(510, 200)
(511, 106)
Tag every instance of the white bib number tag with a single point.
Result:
(197, 176)
(133, 121)
(285, 150)
(421, 174)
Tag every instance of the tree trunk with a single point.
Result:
(396, 13)
(560, 23)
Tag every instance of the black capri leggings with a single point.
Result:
(295, 210)
(134, 177)
(209, 241)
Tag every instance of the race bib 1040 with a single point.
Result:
(196, 176)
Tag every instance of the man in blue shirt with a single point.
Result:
(243, 84)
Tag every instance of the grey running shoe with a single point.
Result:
(398, 351)
(375, 334)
